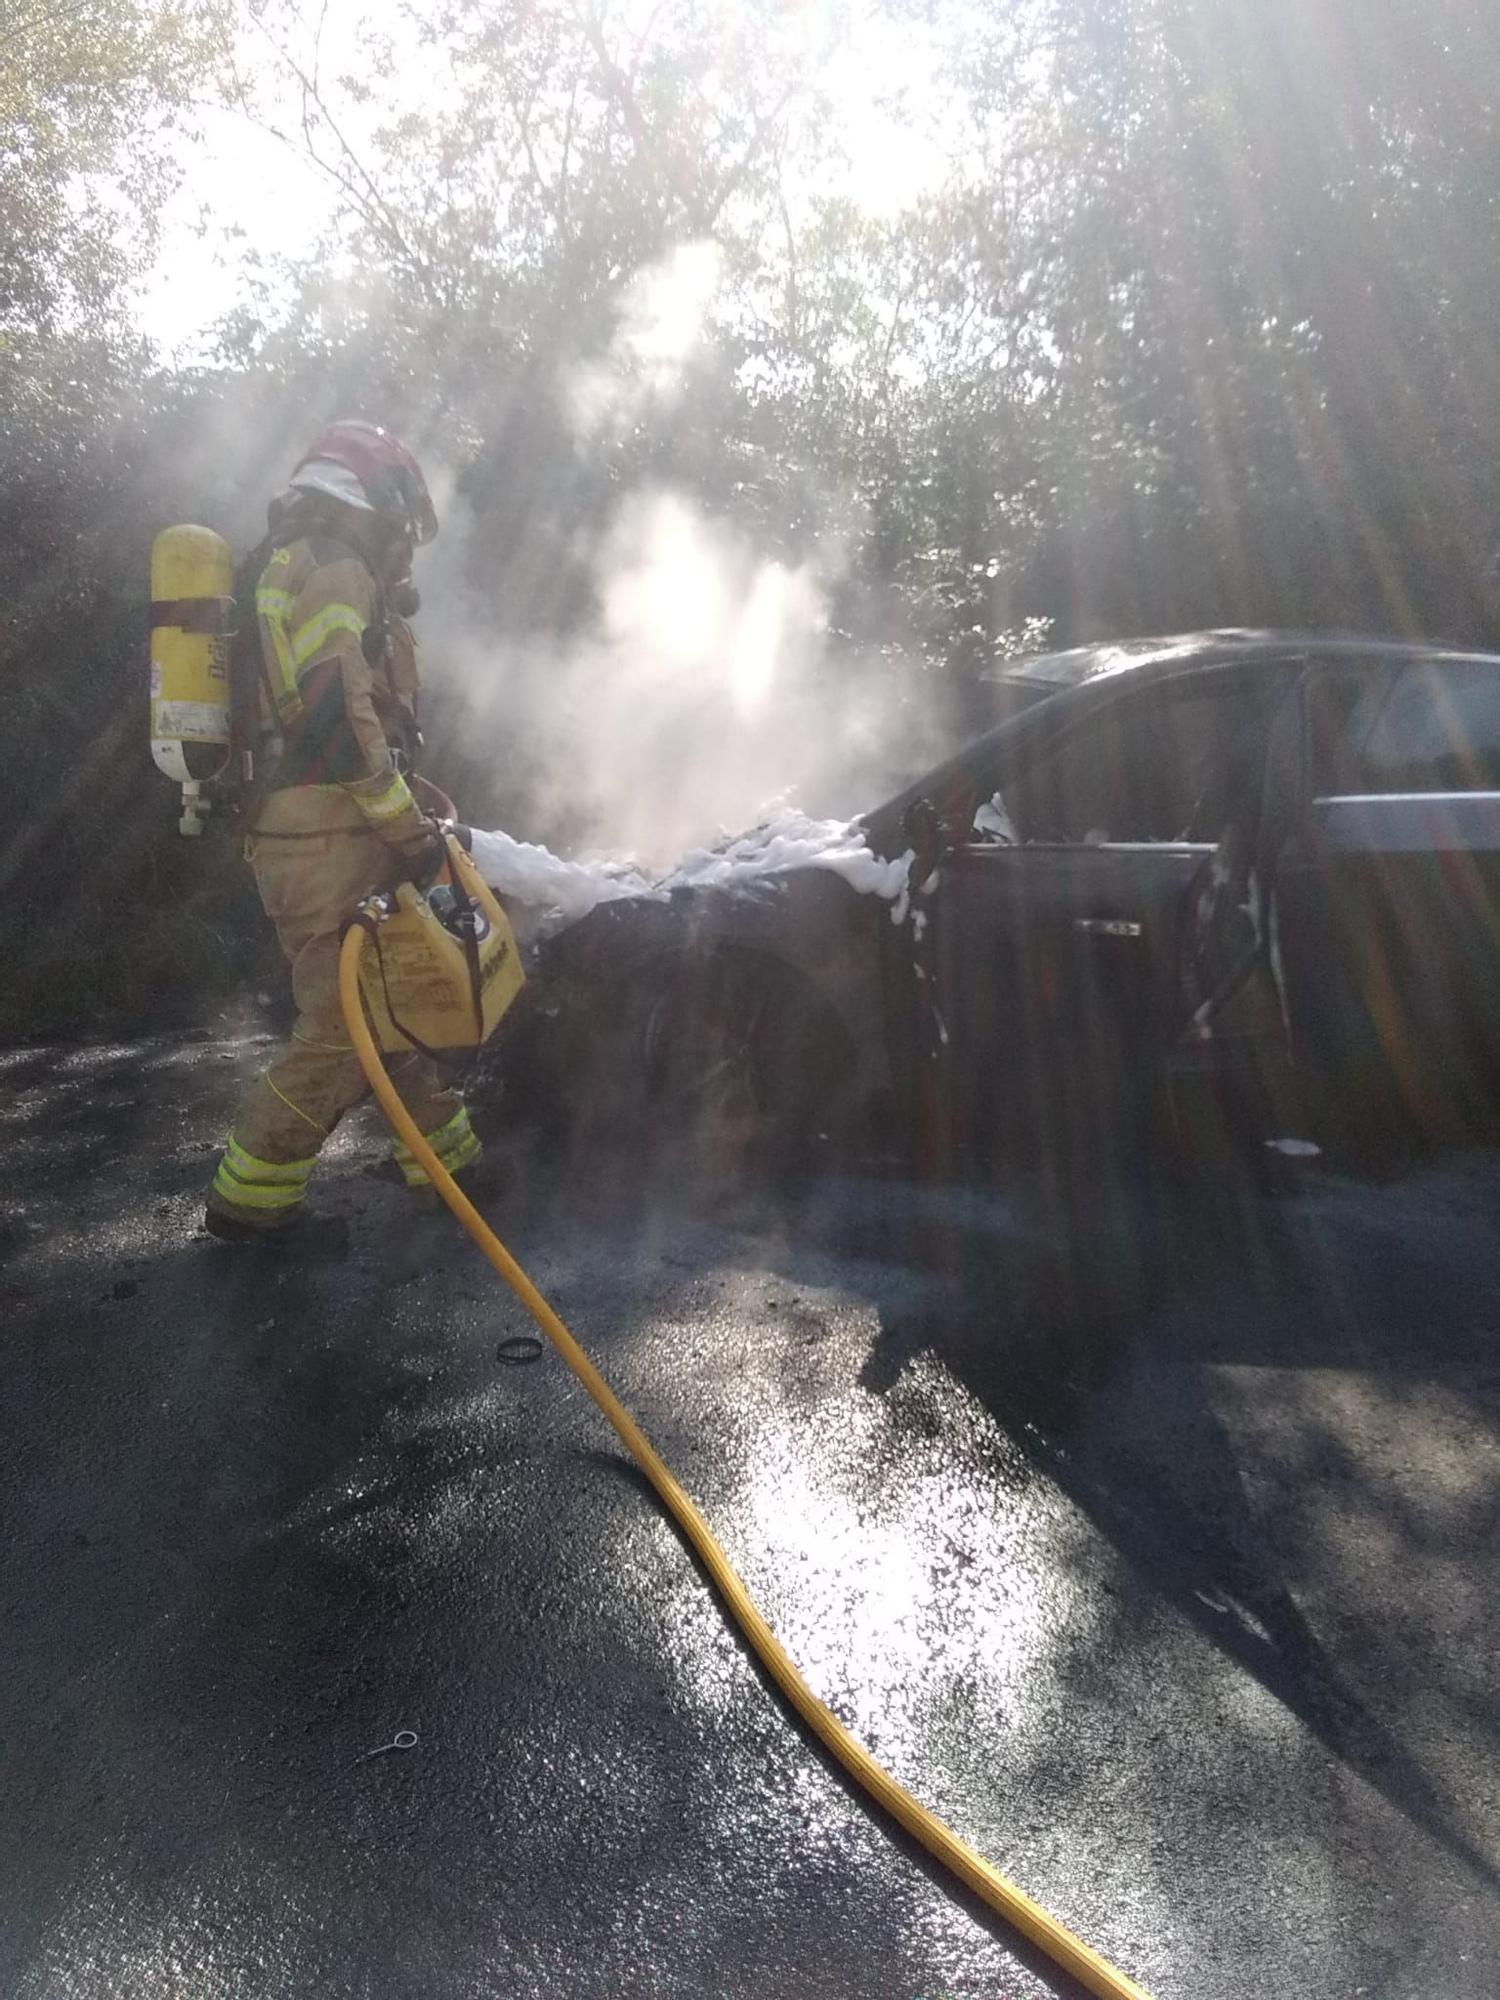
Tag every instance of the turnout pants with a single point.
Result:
(313, 863)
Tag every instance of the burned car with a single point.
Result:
(1234, 884)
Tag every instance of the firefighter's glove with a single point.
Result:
(425, 858)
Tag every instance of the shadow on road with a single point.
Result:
(1101, 1349)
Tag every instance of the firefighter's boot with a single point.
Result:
(304, 1234)
(489, 1178)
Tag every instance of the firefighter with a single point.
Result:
(337, 821)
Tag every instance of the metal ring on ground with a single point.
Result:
(519, 1349)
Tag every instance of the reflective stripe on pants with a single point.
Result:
(456, 1144)
(269, 1187)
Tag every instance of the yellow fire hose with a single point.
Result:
(1012, 1903)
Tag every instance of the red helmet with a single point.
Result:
(385, 469)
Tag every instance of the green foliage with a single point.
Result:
(89, 95)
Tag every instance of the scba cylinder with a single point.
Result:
(192, 608)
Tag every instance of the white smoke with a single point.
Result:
(704, 698)
(706, 695)
(663, 317)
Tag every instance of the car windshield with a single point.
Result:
(1050, 671)
(1007, 697)
(1017, 690)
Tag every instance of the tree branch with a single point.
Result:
(793, 307)
(737, 173)
(354, 177)
(565, 167)
(44, 20)
(522, 115)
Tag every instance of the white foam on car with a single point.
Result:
(993, 822)
(534, 876)
(792, 840)
(569, 890)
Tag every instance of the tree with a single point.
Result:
(89, 94)
(503, 216)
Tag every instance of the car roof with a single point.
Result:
(1226, 647)
(1146, 660)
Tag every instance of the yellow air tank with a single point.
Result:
(192, 607)
(441, 967)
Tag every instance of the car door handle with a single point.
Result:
(1112, 927)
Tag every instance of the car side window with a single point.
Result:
(1159, 767)
(1339, 705)
(1438, 731)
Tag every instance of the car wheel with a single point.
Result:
(745, 1070)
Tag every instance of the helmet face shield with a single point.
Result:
(388, 474)
(396, 554)
(421, 515)
(336, 481)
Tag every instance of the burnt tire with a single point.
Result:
(748, 1072)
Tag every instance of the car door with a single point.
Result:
(1388, 903)
(1044, 968)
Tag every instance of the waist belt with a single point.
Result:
(310, 833)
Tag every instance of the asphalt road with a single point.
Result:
(1178, 1603)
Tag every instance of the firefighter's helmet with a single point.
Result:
(388, 475)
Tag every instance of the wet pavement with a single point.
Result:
(1177, 1600)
